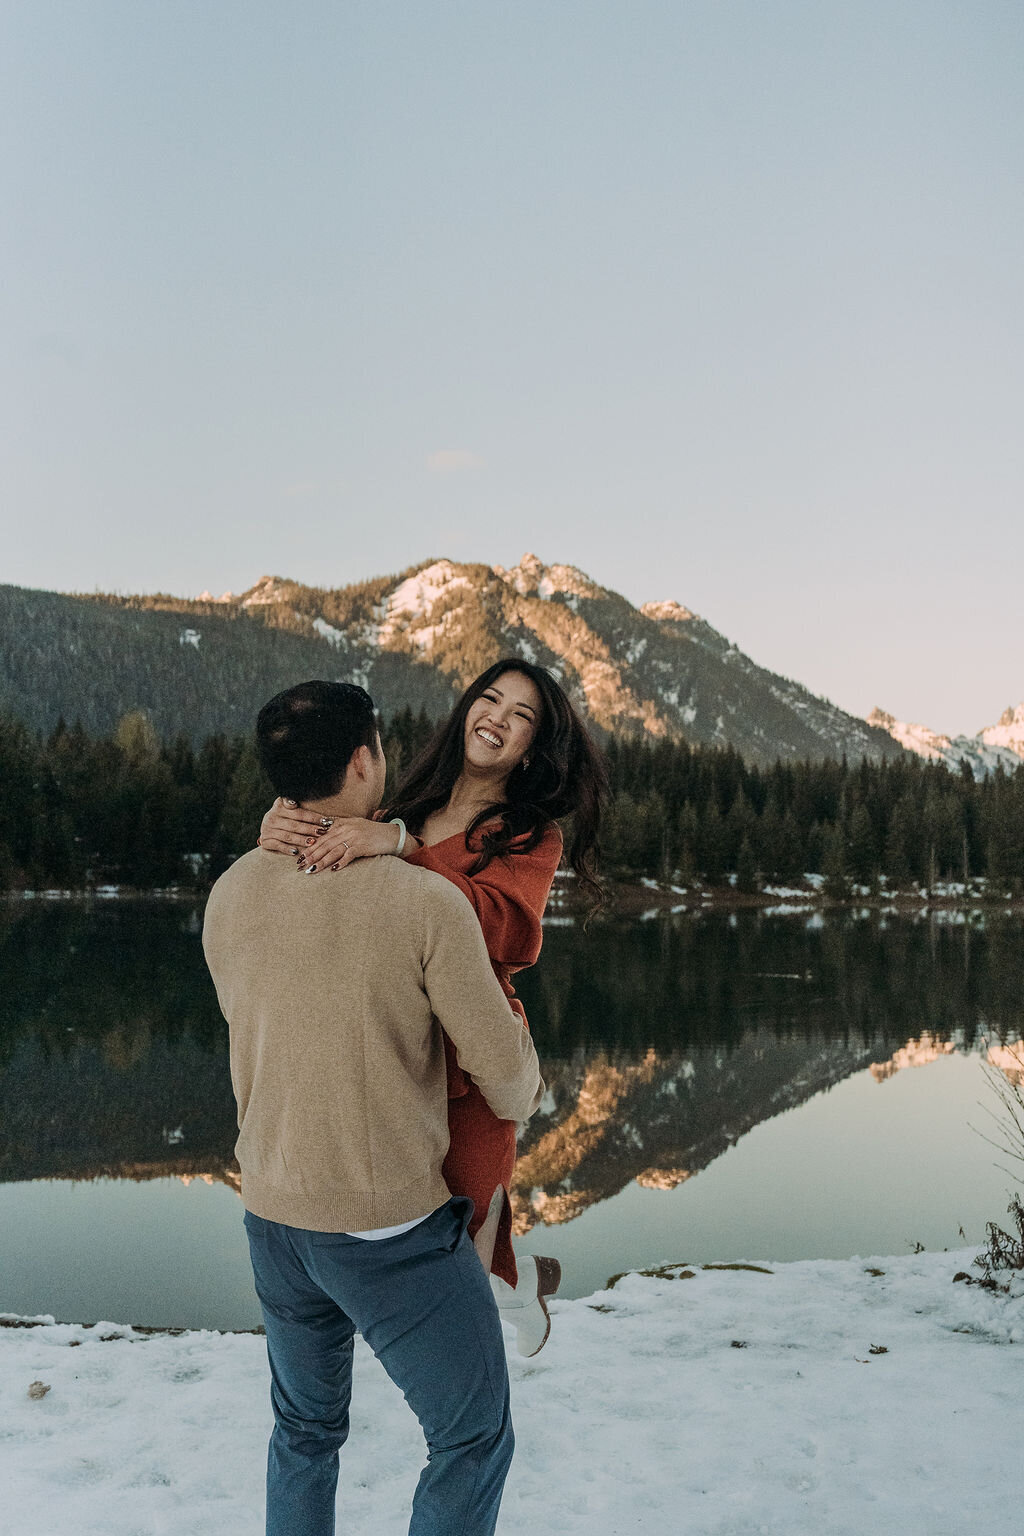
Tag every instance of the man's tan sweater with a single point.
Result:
(335, 989)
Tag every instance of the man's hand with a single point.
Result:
(348, 839)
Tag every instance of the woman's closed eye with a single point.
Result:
(521, 714)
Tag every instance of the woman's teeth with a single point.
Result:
(491, 740)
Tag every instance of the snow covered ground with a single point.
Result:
(820, 1399)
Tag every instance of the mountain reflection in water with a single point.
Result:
(662, 1042)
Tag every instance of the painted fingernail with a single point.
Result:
(335, 866)
(310, 841)
(311, 870)
(297, 852)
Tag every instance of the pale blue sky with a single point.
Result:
(719, 301)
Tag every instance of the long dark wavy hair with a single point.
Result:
(561, 776)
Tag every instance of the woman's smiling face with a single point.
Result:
(502, 723)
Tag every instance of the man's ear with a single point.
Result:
(362, 762)
(355, 769)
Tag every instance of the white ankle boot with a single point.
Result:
(523, 1305)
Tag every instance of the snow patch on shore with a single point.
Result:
(817, 1397)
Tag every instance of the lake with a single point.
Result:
(721, 1087)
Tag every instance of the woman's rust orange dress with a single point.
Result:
(509, 898)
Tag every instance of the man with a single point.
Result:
(335, 992)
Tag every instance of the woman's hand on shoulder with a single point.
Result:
(288, 829)
(347, 839)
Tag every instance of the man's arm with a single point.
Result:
(492, 1045)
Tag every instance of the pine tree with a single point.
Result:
(248, 796)
(689, 842)
(901, 844)
(746, 868)
(863, 855)
(834, 863)
(713, 855)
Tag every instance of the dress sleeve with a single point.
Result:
(508, 897)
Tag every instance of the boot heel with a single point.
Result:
(549, 1276)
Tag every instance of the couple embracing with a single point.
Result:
(381, 1063)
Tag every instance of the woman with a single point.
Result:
(481, 806)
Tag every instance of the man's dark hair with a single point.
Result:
(305, 737)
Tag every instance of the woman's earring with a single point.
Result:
(526, 762)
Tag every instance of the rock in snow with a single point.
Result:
(852, 1398)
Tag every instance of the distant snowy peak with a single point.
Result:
(671, 612)
(916, 738)
(269, 589)
(532, 578)
(984, 752)
(1008, 732)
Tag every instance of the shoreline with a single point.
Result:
(961, 1263)
(647, 898)
(636, 900)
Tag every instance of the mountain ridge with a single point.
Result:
(415, 638)
(660, 669)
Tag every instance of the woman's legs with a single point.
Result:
(480, 1160)
(481, 1157)
(486, 1235)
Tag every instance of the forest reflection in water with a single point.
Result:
(664, 1044)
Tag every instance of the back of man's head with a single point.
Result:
(305, 737)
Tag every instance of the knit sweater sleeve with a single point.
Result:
(508, 897)
(492, 1045)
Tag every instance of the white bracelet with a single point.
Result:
(396, 821)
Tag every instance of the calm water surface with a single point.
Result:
(720, 1087)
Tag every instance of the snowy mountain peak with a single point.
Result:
(671, 611)
(1001, 744)
(269, 589)
(532, 578)
(415, 597)
(916, 738)
(1008, 731)
(660, 670)
(405, 611)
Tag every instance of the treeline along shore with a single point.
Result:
(79, 811)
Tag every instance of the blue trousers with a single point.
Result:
(424, 1305)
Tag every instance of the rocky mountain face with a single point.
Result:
(413, 639)
(661, 1120)
(658, 669)
(999, 745)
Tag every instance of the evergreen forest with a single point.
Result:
(80, 811)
